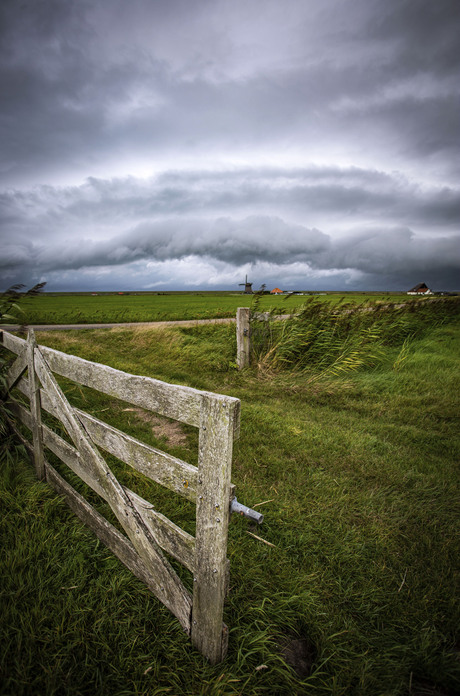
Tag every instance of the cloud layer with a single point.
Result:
(181, 144)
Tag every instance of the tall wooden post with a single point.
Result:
(35, 406)
(243, 340)
(209, 635)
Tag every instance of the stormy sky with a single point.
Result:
(182, 144)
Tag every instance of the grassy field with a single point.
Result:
(55, 308)
(357, 475)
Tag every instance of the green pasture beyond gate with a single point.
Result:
(356, 591)
(85, 308)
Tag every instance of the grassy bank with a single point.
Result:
(358, 477)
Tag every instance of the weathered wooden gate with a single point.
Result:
(148, 533)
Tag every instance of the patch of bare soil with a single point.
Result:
(162, 427)
(300, 654)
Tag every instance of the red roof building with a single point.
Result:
(420, 289)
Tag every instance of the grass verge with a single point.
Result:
(358, 481)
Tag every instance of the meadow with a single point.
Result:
(356, 472)
(85, 308)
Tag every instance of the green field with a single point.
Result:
(357, 476)
(83, 308)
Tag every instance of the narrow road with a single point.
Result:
(149, 324)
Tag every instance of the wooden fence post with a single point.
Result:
(209, 635)
(35, 407)
(243, 340)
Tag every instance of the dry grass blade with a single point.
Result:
(264, 541)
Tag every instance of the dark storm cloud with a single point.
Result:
(393, 250)
(224, 239)
(420, 33)
(176, 215)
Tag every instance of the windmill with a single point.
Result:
(247, 287)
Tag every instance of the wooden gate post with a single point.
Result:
(243, 341)
(218, 418)
(35, 407)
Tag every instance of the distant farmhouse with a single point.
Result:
(420, 289)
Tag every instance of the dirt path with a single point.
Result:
(149, 324)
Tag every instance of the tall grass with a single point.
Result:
(333, 339)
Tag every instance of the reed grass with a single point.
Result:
(344, 337)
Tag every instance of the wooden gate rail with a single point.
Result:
(149, 533)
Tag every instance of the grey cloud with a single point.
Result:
(395, 250)
(256, 238)
(178, 214)
(424, 33)
(81, 88)
(392, 255)
(99, 92)
(375, 253)
(225, 239)
(326, 194)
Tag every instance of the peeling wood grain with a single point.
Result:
(170, 400)
(169, 471)
(170, 537)
(35, 408)
(173, 401)
(187, 470)
(16, 370)
(12, 342)
(213, 511)
(242, 337)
